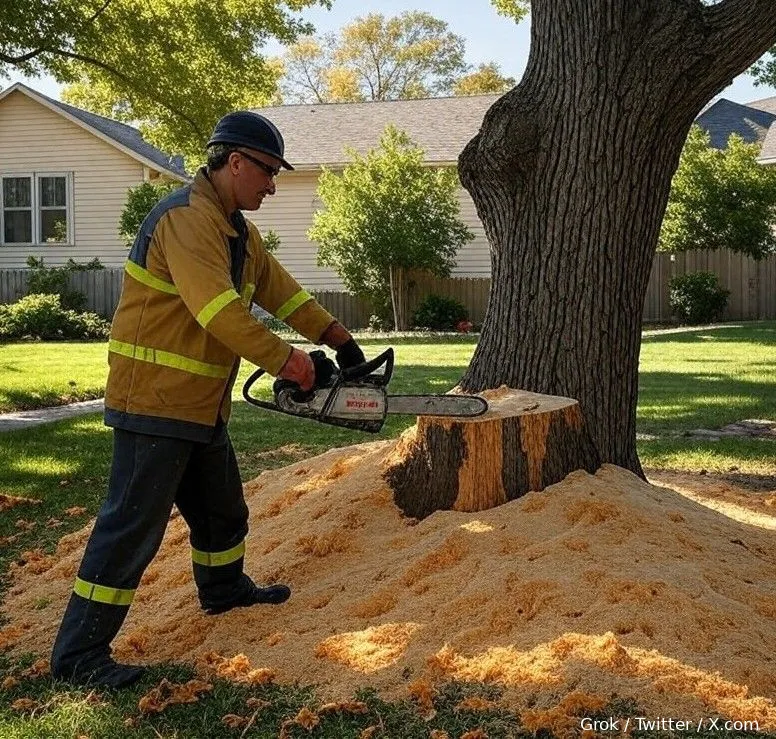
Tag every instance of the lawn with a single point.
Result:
(701, 379)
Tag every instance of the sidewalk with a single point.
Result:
(27, 419)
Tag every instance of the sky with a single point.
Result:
(489, 37)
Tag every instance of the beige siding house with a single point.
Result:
(319, 135)
(64, 176)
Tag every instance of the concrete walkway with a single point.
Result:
(27, 419)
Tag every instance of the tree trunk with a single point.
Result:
(399, 295)
(570, 174)
(524, 442)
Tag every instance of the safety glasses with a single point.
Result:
(271, 172)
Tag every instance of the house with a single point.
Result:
(64, 176)
(318, 136)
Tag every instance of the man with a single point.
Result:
(181, 326)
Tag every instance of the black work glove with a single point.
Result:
(350, 355)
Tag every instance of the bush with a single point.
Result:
(43, 317)
(439, 313)
(140, 202)
(55, 281)
(697, 297)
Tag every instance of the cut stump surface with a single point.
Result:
(525, 441)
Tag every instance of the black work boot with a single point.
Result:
(246, 593)
(81, 653)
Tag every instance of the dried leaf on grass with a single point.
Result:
(39, 668)
(474, 734)
(24, 704)
(9, 683)
(307, 719)
(75, 511)
(233, 721)
(10, 501)
(167, 694)
(369, 732)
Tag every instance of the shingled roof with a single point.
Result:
(319, 134)
(120, 134)
(752, 122)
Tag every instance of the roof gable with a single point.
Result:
(319, 134)
(119, 135)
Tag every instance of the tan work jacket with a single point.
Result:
(183, 319)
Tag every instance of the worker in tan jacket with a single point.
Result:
(181, 326)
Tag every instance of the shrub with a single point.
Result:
(439, 313)
(140, 202)
(697, 297)
(43, 317)
(55, 281)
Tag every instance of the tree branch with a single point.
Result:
(739, 33)
(21, 59)
(132, 85)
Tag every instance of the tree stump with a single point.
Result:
(525, 441)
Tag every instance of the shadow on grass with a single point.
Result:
(682, 402)
(754, 333)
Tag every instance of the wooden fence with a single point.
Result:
(752, 288)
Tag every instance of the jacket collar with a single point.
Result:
(208, 201)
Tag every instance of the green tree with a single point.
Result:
(376, 58)
(385, 214)
(721, 199)
(484, 80)
(174, 65)
(516, 9)
(140, 201)
(764, 70)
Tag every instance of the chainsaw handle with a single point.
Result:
(258, 374)
(367, 368)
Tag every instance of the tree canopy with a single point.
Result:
(721, 199)
(484, 80)
(377, 58)
(174, 65)
(385, 214)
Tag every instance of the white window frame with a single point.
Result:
(35, 178)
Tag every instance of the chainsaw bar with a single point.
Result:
(437, 405)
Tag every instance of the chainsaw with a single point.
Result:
(357, 397)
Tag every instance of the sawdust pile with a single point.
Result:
(599, 585)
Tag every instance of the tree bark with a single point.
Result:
(524, 442)
(570, 174)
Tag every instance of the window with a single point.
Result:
(37, 209)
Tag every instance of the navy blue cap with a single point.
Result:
(245, 128)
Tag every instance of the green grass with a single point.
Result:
(36, 375)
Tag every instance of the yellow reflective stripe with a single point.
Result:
(208, 313)
(218, 559)
(168, 359)
(247, 293)
(103, 594)
(292, 304)
(144, 276)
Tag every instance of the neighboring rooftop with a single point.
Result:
(751, 121)
(319, 134)
(124, 135)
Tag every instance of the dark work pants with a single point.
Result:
(148, 475)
